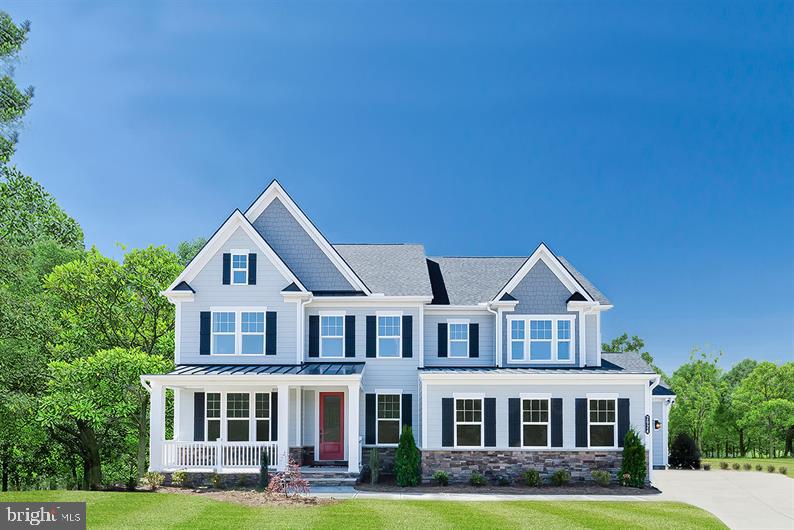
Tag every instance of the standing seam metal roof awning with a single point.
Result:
(270, 369)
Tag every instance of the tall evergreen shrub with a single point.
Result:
(407, 460)
(634, 468)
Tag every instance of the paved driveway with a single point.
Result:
(742, 499)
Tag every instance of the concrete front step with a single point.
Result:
(328, 476)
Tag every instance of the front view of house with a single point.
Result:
(289, 346)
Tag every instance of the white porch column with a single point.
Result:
(283, 426)
(354, 445)
(299, 417)
(177, 413)
(156, 426)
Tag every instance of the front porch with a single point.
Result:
(227, 418)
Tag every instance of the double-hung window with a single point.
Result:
(332, 336)
(468, 422)
(535, 422)
(458, 339)
(253, 332)
(212, 415)
(602, 428)
(388, 420)
(541, 338)
(239, 267)
(237, 417)
(223, 332)
(262, 417)
(238, 331)
(389, 335)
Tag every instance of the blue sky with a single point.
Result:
(652, 145)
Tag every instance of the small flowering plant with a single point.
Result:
(625, 479)
(289, 482)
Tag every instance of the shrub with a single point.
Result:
(477, 479)
(153, 480)
(241, 482)
(531, 478)
(179, 479)
(601, 477)
(759, 467)
(264, 469)
(503, 480)
(723, 465)
(736, 466)
(706, 467)
(634, 459)
(684, 453)
(216, 481)
(747, 466)
(289, 482)
(132, 482)
(561, 477)
(441, 478)
(407, 460)
(770, 468)
(782, 470)
(374, 465)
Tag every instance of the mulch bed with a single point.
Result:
(250, 497)
(387, 485)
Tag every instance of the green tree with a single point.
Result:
(93, 401)
(187, 250)
(696, 387)
(624, 344)
(726, 417)
(14, 103)
(633, 462)
(407, 460)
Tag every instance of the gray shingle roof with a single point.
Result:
(472, 280)
(597, 295)
(630, 362)
(394, 270)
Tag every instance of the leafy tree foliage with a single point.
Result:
(696, 386)
(187, 250)
(624, 344)
(14, 102)
(407, 459)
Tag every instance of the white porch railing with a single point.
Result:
(217, 455)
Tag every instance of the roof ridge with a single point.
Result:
(381, 244)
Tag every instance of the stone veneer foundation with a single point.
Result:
(511, 464)
(385, 455)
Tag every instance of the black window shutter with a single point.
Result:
(581, 422)
(274, 416)
(314, 335)
(556, 422)
(408, 336)
(447, 422)
(490, 422)
(369, 418)
(371, 335)
(205, 328)
(271, 331)
(474, 340)
(227, 268)
(623, 419)
(198, 416)
(514, 422)
(442, 339)
(252, 269)
(350, 335)
(407, 410)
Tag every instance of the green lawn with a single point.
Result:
(161, 510)
(777, 462)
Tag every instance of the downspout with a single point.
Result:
(302, 326)
(497, 335)
(145, 385)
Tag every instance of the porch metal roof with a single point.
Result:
(270, 369)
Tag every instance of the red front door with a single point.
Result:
(332, 426)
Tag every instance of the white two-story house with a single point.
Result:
(289, 345)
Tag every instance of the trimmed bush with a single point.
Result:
(684, 453)
(634, 459)
(601, 477)
(264, 469)
(759, 467)
(407, 460)
(782, 470)
(747, 466)
(502, 480)
(374, 465)
(706, 467)
(179, 479)
(441, 478)
(216, 481)
(724, 465)
(735, 466)
(153, 480)
(770, 468)
(531, 478)
(477, 479)
(561, 477)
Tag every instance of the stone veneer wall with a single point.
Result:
(511, 464)
(385, 454)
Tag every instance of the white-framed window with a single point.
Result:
(389, 417)
(458, 338)
(468, 422)
(602, 428)
(541, 339)
(262, 414)
(239, 267)
(212, 416)
(535, 421)
(332, 336)
(238, 331)
(238, 416)
(389, 336)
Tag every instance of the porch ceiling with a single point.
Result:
(323, 369)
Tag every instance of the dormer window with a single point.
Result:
(240, 267)
(541, 339)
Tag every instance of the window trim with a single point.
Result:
(450, 340)
(238, 252)
(547, 423)
(238, 330)
(247, 418)
(481, 423)
(526, 341)
(344, 330)
(378, 420)
(207, 418)
(398, 315)
(252, 417)
(603, 397)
